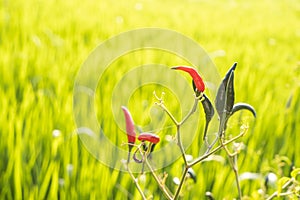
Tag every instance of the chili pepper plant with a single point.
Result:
(224, 106)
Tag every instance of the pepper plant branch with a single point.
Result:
(179, 143)
(225, 107)
(178, 125)
(162, 186)
(206, 155)
(194, 108)
(135, 181)
(233, 165)
(236, 172)
(210, 146)
(161, 104)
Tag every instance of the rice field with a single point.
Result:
(43, 45)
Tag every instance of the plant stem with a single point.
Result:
(168, 112)
(232, 157)
(236, 172)
(233, 164)
(194, 108)
(163, 188)
(179, 143)
(212, 144)
(181, 183)
(135, 182)
(206, 155)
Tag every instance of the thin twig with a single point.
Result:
(236, 172)
(168, 112)
(135, 182)
(206, 155)
(210, 146)
(179, 143)
(162, 186)
(233, 165)
(194, 108)
(232, 160)
(161, 104)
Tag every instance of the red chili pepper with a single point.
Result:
(150, 137)
(194, 74)
(131, 135)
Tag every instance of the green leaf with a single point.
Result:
(209, 112)
(225, 96)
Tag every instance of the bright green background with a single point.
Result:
(43, 44)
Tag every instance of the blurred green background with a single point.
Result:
(44, 43)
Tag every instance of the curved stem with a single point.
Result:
(236, 173)
(233, 164)
(168, 112)
(179, 143)
(163, 188)
(194, 108)
(161, 104)
(210, 146)
(135, 182)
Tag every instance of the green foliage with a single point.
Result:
(43, 44)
